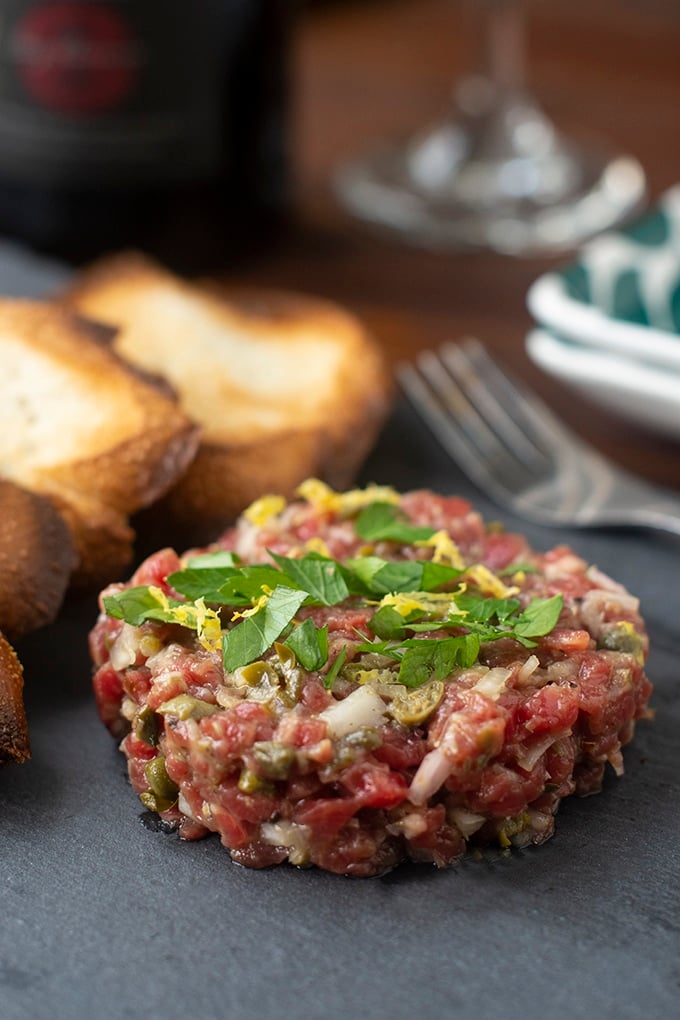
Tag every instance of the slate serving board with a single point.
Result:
(103, 917)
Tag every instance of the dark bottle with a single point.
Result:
(159, 124)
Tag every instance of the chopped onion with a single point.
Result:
(362, 707)
(492, 684)
(125, 648)
(615, 759)
(183, 805)
(530, 755)
(411, 826)
(433, 770)
(527, 670)
(467, 822)
(290, 835)
(603, 580)
(599, 601)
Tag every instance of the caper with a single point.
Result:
(254, 672)
(285, 655)
(185, 706)
(250, 782)
(146, 726)
(274, 758)
(622, 637)
(411, 707)
(159, 781)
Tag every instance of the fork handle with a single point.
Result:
(662, 516)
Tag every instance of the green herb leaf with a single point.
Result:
(481, 609)
(135, 605)
(218, 558)
(203, 582)
(383, 577)
(310, 644)
(383, 522)
(388, 623)
(320, 576)
(332, 673)
(539, 617)
(439, 657)
(251, 638)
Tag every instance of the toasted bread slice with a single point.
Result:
(283, 386)
(37, 558)
(81, 426)
(14, 742)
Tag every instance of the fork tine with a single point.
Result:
(472, 374)
(439, 421)
(446, 408)
(531, 414)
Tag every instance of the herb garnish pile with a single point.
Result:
(409, 598)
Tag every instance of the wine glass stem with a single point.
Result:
(501, 43)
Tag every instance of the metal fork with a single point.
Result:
(514, 448)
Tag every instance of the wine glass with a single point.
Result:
(495, 173)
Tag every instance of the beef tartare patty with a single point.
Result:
(354, 679)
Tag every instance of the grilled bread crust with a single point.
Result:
(82, 427)
(14, 742)
(283, 386)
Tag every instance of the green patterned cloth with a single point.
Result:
(634, 273)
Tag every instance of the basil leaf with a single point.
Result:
(539, 617)
(310, 644)
(383, 522)
(320, 576)
(251, 638)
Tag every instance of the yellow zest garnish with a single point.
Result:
(345, 504)
(488, 582)
(406, 603)
(317, 545)
(208, 626)
(195, 615)
(445, 549)
(374, 676)
(263, 509)
(257, 605)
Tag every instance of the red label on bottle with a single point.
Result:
(76, 57)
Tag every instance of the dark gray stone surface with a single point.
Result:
(103, 918)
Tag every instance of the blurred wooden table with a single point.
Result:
(383, 67)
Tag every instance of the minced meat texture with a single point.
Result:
(354, 731)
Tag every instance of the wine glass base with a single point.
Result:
(382, 190)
